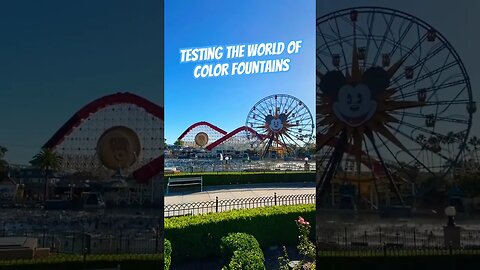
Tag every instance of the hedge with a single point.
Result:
(196, 237)
(76, 262)
(246, 260)
(242, 251)
(235, 178)
(437, 262)
(238, 241)
(168, 254)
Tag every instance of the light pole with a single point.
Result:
(450, 212)
(451, 232)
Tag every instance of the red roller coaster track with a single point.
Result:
(203, 123)
(143, 174)
(229, 135)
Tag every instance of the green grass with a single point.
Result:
(72, 261)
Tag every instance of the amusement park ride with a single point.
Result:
(390, 88)
(118, 141)
(276, 127)
(282, 123)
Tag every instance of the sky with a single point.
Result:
(226, 101)
(457, 21)
(56, 56)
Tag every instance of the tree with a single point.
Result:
(449, 140)
(179, 143)
(3, 163)
(475, 142)
(47, 160)
(164, 145)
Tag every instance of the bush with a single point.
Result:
(74, 262)
(196, 237)
(238, 241)
(235, 178)
(440, 262)
(168, 254)
(246, 260)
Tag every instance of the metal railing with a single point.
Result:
(196, 208)
(393, 251)
(391, 236)
(105, 243)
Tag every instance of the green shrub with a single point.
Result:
(235, 178)
(195, 237)
(76, 262)
(168, 254)
(246, 260)
(238, 241)
(440, 262)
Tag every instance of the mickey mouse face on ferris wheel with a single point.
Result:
(355, 103)
(276, 124)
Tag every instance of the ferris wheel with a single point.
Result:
(392, 96)
(283, 124)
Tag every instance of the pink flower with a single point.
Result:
(302, 221)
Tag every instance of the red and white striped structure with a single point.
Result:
(241, 139)
(213, 133)
(76, 141)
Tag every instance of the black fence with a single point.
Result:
(195, 208)
(372, 236)
(394, 251)
(91, 243)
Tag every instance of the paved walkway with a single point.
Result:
(240, 191)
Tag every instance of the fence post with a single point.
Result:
(43, 237)
(119, 247)
(216, 204)
(384, 249)
(157, 232)
(83, 240)
(414, 238)
(345, 236)
(85, 257)
(275, 197)
(73, 243)
(380, 231)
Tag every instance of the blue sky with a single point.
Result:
(226, 101)
(56, 56)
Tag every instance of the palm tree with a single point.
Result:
(475, 142)
(449, 140)
(3, 163)
(47, 160)
(179, 143)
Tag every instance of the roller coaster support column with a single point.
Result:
(156, 189)
(331, 168)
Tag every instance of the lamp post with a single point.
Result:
(451, 232)
(450, 212)
(306, 166)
